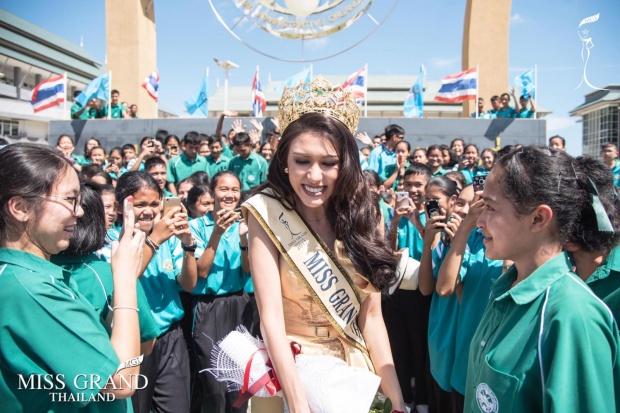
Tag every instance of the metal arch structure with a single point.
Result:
(378, 24)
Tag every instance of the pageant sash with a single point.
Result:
(327, 281)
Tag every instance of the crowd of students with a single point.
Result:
(500, 107)
(95, 109)
(513, 267)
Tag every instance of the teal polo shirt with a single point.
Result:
(380, 157)
(469, 174)
(440, 172)
(525, 114)
(477, 275)
(605, 282)
(214, 166)
(491, 114)
(132, 162)
(506, 113)
(159, 281)
(89, 113)
(48, 328)
(388, 171)
(409, 237)
(227, 152)
(95, 282)
(616, 172)
(226, 275)
(442, 322)
(181, 167)
(546, 344)
(168, 193)
(363, 161)
(251, 171)
(115, 110)
(80, 160)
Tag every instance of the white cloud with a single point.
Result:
(517, 19)
(443, 62)
(556, 123)
(317, 44)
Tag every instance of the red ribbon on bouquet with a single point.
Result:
(269, 380)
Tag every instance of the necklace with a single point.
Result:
(316, 220)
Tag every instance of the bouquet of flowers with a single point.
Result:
(331, 385)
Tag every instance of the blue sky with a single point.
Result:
(417, 32)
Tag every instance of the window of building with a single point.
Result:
(9, 127)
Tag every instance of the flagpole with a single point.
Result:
(536, 88)
(157, 100)
(109, 94)
(366, 93)
(64, 108)
(477, 89)
(207, 80)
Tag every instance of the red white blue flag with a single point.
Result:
(151, 84)
(48, 93)
(259, 104)
(356, 83)
(459, 87)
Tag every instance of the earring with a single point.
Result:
(285, 170)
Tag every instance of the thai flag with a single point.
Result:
(459, 87)
(259, 104)
(151, 84)
(356, 83)
(48, 93)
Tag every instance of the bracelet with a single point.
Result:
(243, 248)
(125, 308)
(152, 244)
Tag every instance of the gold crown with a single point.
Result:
(318, 96)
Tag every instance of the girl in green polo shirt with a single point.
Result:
(545, 341)
(56, 355)
(395, 172)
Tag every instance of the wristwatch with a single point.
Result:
(191, 247)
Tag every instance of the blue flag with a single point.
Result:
(98, 88)
(414, 103)
(202, 100)
(303, 77)
(524, 83)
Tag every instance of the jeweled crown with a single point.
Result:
(318, 96)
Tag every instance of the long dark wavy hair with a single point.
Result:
(350, 211)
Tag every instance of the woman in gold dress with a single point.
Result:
(315, 178)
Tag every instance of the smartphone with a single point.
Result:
(432, 208)
(478, 182)
(463, 157)
(237, 211)
(169, 203)
(402, 199)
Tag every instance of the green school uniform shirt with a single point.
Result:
(605, 282)
(226, 275)
(251, 171)
(440, 172)
(89, 113)
(546, 344)
(477, 275)
(506, 113)
(115, 110)
(409, 236)
(616, 172)
(181, 167)
(442, 323)
(525, 114)
(94, 280)
(214, 166)
(48, 328)
(469, 174)
(388, 171)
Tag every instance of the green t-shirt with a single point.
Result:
(181, 167)
(48, 328)
(214, 167)
(525, 114)
(508, 113)
(546, 344)
(89, 113)
(252, 171)
(94, 281)
(116, 110)
(605, 282)
(388, 171)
